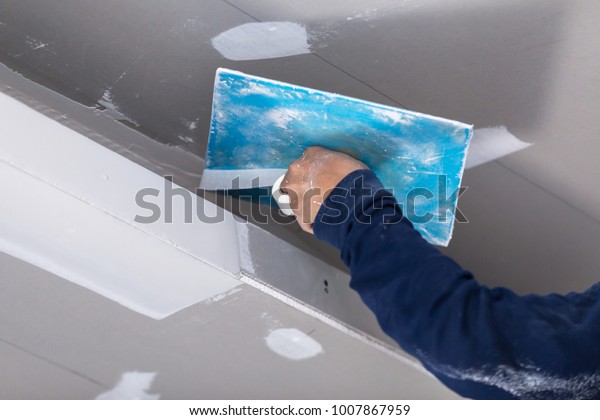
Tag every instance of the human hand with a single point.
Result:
(311, 178)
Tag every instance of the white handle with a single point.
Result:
(283, 199)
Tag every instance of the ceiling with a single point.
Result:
(534, 216)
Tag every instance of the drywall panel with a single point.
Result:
(304, 278)
(214, 349)
(565, 159)
(522, 237)
(27, 376)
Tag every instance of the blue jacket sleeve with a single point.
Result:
(481, 342)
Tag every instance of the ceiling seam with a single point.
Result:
(55, 364)
(550, 193)
(326, 61)
(241, 10)
(360, 81)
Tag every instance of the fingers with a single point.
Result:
(311, 177)
(299, 206)
(291, 188)
(287, 181)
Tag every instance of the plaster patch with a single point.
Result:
(262, 40)
(492, 143)
(132, 386)
(293, 344)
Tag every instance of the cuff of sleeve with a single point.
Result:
(338, 212)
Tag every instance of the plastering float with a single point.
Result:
(259, 126)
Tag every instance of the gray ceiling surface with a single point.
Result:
(534, 216)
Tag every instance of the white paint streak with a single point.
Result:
(246, 262)
(489, 144)
(293, 344)
(108, 102)
(132, 386)
(186, 139)
(272, 322)
(191, 125)
(222, 296)
(393, 117)
(256, 89)
(281, 117)
(364, 15)
(36, 44)
(262, 40)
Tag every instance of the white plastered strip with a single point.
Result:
(69, 206)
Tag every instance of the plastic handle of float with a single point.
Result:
(283, 199)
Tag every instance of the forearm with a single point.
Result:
(475, 339)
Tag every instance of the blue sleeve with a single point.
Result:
(486, 343)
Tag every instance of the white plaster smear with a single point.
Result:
(246, 261)
(222, 296)
(132, 386)
(489, 144)
(293, 344)
(281, 117)
(69, 208)
(107, 101)
(262, 40)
